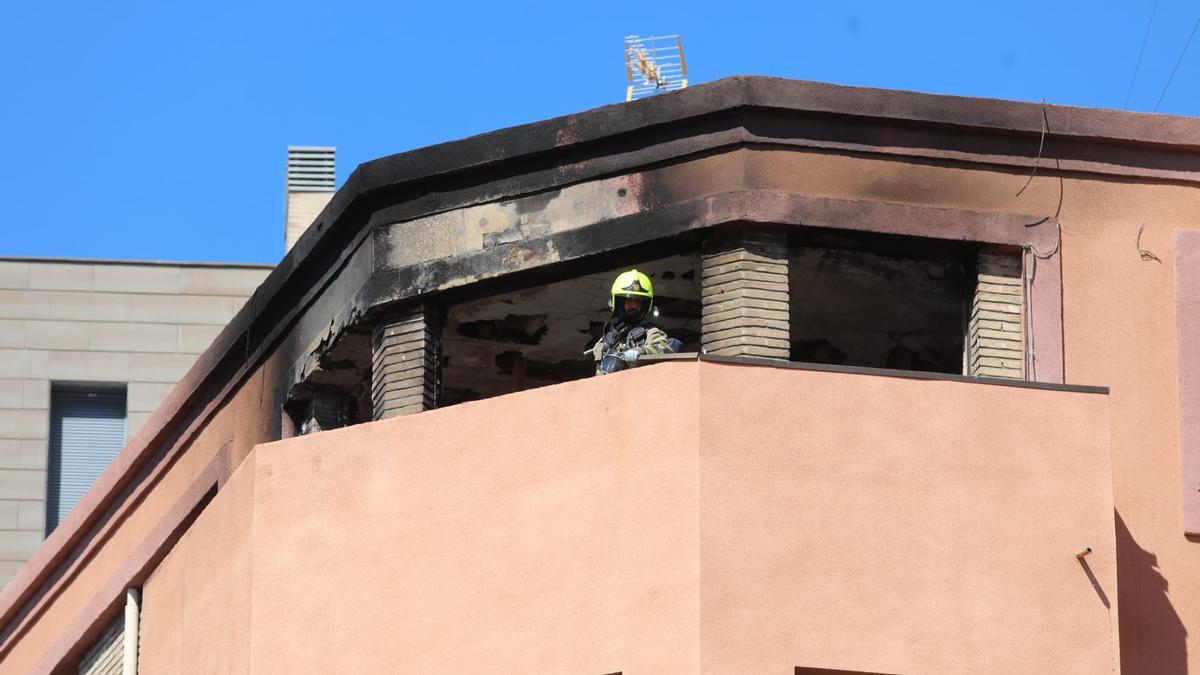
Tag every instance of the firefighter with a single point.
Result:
(627, 337)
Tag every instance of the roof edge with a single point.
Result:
(1150, 130)
(1100, 124)
(143, 263)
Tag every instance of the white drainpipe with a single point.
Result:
(133, 612)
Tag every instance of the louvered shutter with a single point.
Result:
(87, 430)
(106, 654)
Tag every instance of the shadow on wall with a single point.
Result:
(1153, 638)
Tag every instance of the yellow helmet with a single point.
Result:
(632, 284)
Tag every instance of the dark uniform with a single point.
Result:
(625, 337)
(620, 339)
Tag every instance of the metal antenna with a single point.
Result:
(654, 65)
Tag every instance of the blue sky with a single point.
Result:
(159, 130)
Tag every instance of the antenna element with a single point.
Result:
(654, 65)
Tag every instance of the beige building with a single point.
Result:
(91, 340)
(89, 348)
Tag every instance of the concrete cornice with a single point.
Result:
(748, 109)
(1099, 125)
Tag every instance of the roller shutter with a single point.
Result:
(87, 430)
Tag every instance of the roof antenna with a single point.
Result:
(654, 65)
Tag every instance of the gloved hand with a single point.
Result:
(630, 356)
(597, 350)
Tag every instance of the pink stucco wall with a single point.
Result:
(685, 517)
(1187, 331)
(200, 602)
(900, 526)
(1119, 322)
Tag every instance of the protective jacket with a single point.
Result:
(618, 339)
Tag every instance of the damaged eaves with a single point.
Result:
(608, 140)
(857, 299)
(338, 369)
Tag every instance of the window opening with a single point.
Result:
(879, 301)
(537, 336)
(87, 430)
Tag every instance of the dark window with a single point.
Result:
(879, 302)
(87, 430)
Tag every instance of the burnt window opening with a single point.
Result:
(322, 411)
(879, 301)
(538, 336)
(852, 299)
(333, 388)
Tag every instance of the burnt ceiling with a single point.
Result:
(538, 336)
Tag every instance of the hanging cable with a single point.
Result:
(1139, 58)
(1177, 62)
(1146, 255)
(1051, 252)
(1041, 144)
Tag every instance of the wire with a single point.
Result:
(1140, 52)
(1041, 144)
(1146, 255)
(1049, 254)
(1177, 62)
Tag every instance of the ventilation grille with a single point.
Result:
(310, 169)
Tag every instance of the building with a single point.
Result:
(937, 413)
(95, 346)
(89, 348)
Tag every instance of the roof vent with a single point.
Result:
(310, 169)
(310, 186)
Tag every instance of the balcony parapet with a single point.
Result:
(882, 372)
